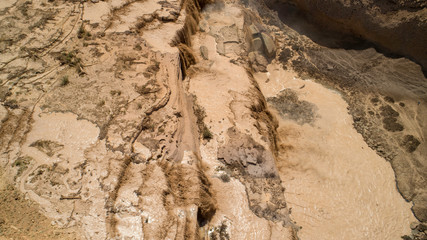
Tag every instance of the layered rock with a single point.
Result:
(398, 27)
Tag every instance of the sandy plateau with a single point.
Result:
(198, 119)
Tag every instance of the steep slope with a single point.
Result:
(397, 27)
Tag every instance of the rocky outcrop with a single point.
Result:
(262, 48)
(398, 27)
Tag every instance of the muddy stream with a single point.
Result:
(336, 186)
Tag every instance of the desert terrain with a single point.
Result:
(203, 119)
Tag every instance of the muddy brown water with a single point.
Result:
(326, 164)
(336, 186)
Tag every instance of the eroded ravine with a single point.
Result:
(144, 173)
(188, 201)
(186, 120)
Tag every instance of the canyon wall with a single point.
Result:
(397, 27)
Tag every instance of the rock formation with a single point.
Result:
(397, 27)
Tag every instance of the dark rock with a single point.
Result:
(410, 143)
(413, 225)
(406, 237)
(253, 30)
(258, 61)
(285, 55)
(12, 104)
(4, 92)
(203, 26)
(390, 124)
(257, 45)
(252, 57)
(388, 111)
(270, 46)
(290, 107)
(246, 155)
(204, 52)
(422, 227)
(389, 99)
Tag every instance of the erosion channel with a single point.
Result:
(211, 119)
